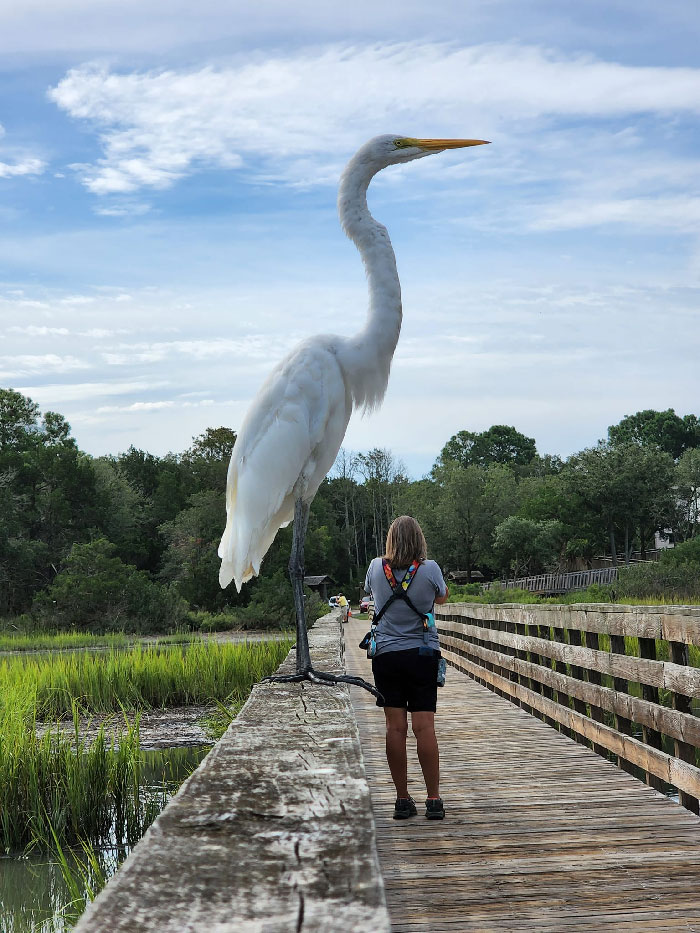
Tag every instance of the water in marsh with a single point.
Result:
(33, 893)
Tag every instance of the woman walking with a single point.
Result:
(405, 585)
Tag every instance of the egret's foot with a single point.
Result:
(323, 677)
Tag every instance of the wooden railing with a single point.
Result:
(558, 582)
(595, 672)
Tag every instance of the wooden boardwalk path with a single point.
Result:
(541, 833)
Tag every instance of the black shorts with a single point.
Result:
(407, 679)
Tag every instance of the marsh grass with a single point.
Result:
(67, 641)
(47, 688)
(63, 784)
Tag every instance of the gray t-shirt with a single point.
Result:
(400, 628)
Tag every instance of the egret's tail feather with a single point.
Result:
(246, 540)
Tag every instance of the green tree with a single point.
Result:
(19, 417)
(687, 482)
(208, 458)
(470, 502)
(526, 547)
(663, 429)
(384, 476)
(94, 590)
(123, 512)
(626, 488)
(500, 444)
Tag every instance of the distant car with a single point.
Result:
(364, 603)
(333, 601)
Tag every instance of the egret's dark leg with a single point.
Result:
(296, 575)
(296, 572)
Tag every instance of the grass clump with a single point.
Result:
(56, 785)
(138, 678)
(60, 783)
(69, 641)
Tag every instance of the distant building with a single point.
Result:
(320, 584)
(463, 576)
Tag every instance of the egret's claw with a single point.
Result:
(323, 677)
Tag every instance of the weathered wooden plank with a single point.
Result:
(647, 649)
(665, 674)
(683, 726)
(540, 833)
(672, 623)
(272, 832)
(683, 748)
(646, 757)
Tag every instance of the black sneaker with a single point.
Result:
(404, 808)
(434, 809)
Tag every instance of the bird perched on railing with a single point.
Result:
(294, 427)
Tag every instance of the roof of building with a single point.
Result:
(318, 580)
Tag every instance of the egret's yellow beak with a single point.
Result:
(431, 145)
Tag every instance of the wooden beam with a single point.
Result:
(681, 774)
(676, 677)
(680, 725)
(671, 623)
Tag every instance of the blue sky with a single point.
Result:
(168, 226)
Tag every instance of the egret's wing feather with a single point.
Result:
(282, 447)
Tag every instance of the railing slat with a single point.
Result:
(683, 726)
(684, 776)
(680, 624)
(665, 674)
(562, 665)
(684, 750)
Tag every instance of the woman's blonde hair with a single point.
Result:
(405, 542)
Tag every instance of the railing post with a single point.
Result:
(561, 668)
(617, 646)
(577, 672)
(594, 677)
(521, 629)
(683, 750)
(546, 691)
(647, 649)
(533, 630)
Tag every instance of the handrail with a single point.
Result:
(573, 665)
(557, 582)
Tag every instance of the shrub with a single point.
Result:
(203, 621)
(672, 581)
(96, 591)
(686, 552)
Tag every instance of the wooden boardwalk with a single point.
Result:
(541, 833)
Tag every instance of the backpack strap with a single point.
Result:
(398, 591)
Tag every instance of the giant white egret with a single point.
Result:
(293, 430)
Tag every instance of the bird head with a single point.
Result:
(391, 150)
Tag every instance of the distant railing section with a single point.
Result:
(557, 582)
(596, 673)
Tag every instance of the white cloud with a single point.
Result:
(27, 166)
(23, 364)
(255, 347)
(33, 331)
(681, 214)
(58, 394)
(297, 116)
(136, 406)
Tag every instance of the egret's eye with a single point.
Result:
(402, 143)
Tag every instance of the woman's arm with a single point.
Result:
(439, 600)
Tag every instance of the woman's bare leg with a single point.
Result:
(423, 725)
(396, 732)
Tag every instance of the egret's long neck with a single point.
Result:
(373, 347)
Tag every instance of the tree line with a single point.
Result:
(130, 540)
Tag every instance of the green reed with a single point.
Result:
(142, 677)
(66, 641)
(93, 789)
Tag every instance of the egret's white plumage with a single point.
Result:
(293, 430)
